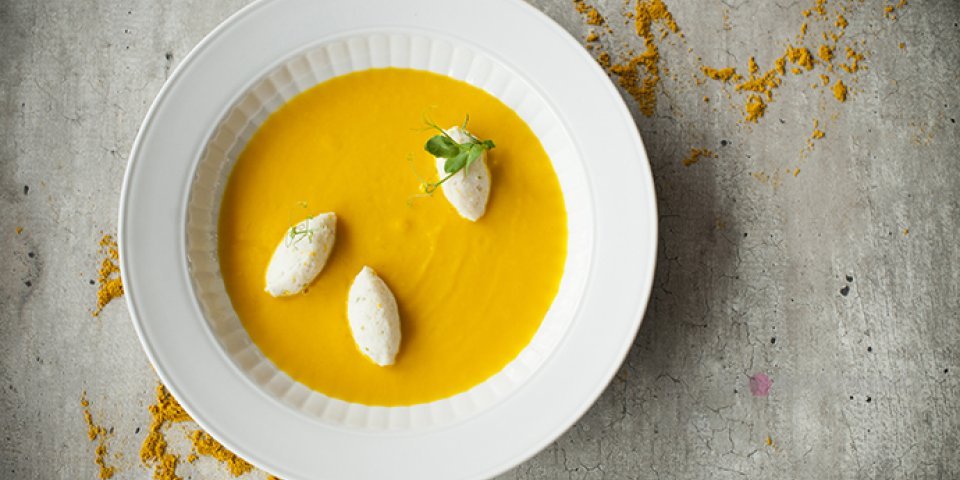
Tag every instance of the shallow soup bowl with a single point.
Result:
(253, 64)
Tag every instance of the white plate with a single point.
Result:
(248, 67)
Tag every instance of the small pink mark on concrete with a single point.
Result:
(760, 385)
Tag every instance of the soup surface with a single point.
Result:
(471, 295)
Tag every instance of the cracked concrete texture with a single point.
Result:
(751, 267)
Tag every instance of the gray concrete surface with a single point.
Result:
(752, 258)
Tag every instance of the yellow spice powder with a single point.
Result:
(840, 91)
(889, 10)
(853, 61)
(110, 286)
(98, 434)
(640, 75)
(604, 60)
(818, 8)
(817, 133)
(800, 56)
(754, 109)
(204, 444)
(825, 53)
(153, 452)
(722, 74)
(593, 17)
(696, 154)
(841, 22)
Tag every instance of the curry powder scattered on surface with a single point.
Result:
(108, 276)
(592, 15)
(817, 133)
(98, 434)
(825, 53)
(696, 154)
(204, 444)
(841, 22)
(641, 85)
(853, 61)
(754, 109)
(604, 60)
(840, 91)
(722, 74)
(765, 83)
(890, 10)
(818, 8)
(153, 452)
(800, 56)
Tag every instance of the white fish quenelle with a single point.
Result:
(373, 316)
(301, 255)
(467, 191)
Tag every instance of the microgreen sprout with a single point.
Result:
(459, 156)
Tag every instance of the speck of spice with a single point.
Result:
(722, 74)
(840, 91)
(97, 433)
(604, 60)
(841, 21)
(890, 10)
(593, 37)
(800, 56)
(817, 133)
(696, 154)
(108, 276)
(818, 8)
(825, 53)
(591, 14)
(204, 444)
(19, 230)
(853, 61)
(754, 109)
